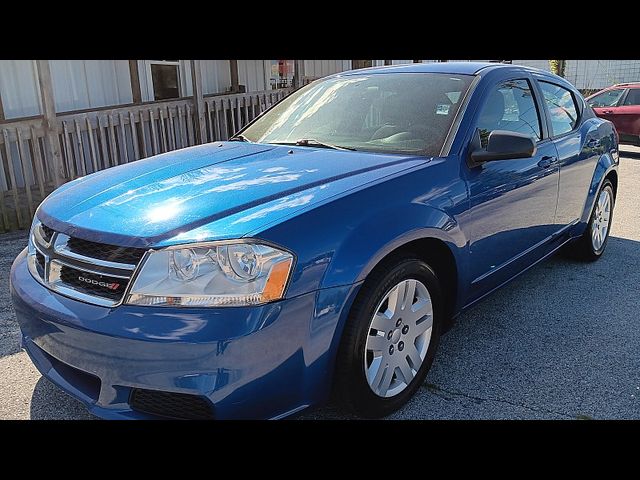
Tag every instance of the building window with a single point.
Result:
(281, 74)
(165, 78)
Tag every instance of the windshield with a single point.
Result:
(400, 113)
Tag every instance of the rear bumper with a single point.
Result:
(254, 362)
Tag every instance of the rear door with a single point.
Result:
(578, 149)
(626, 117)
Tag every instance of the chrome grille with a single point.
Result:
(47, 232)
(88, 271)
(102, 251)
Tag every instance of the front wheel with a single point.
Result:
(390, 338)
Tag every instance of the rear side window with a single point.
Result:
(633, 97)
(509, 106)
(561, 106)
(609, 98)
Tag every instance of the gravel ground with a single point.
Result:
(560, 342)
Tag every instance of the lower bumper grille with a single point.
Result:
(171, 405)
(84, 382)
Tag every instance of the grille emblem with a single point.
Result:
(110, 286)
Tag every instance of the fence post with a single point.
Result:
(134, 74)
(49, 121)
(198, 101)
(233, 71)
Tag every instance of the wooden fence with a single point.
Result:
(98, 139)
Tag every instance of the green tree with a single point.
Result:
(557, 67)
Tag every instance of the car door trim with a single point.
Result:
(532, 248)
(455, 126)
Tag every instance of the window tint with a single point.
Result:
(606, 99)
(509, 106)
(561, 106)
(633, 97)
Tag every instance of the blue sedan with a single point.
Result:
(325, 248)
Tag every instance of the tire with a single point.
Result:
(354, 362)
(586, 248)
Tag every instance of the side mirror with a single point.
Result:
(502, 145)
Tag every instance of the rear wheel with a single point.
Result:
(390, 338)
(590, 246)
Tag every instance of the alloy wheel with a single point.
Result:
(600, 224)
(398, 338)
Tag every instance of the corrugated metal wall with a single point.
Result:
(584, 74)
(77, 85)
(322, 68)
(254, 74)
(19, 88)
(216, 77)
(594, 74)
(82, 84)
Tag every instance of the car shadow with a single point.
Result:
(49, 402)
(560, 341)
(629, 154)
(11, 244)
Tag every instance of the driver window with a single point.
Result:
(509, 106)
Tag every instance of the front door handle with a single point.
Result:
(547, 161)
(607, 111)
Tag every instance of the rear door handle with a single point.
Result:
(594, 142)
(607, 111)
(547, 161)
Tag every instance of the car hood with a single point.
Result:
(215, 191)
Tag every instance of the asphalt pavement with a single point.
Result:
(560, 342)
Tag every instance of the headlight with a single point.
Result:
(208, 275)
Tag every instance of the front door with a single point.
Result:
(512, 202)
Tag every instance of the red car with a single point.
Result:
(620, 104)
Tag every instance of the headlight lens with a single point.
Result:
(201, 275)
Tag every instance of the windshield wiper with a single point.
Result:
(310, 142)
(239, 138)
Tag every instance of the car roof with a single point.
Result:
(619, 86)
(626, 85)
(464, 68)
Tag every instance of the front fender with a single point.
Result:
(379, 234)
(339, 242)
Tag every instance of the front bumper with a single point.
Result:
(251, 362)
